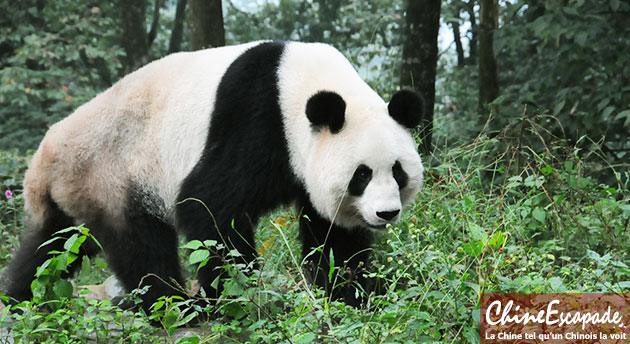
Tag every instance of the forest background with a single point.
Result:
(526, 137)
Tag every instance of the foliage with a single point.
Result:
(51, 316)
(48, 287)
(566, 61)
(12, 168)
(580, 67)
(51, 62)
(78, 321)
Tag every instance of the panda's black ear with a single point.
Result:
(407, 108)
(326, 108)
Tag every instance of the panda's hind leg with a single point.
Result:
(144, 253)
(142, 249)
(19, 274)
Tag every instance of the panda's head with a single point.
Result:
(362, 166)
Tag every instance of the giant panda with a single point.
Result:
(204, 143)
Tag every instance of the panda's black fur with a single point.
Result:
(242, 174)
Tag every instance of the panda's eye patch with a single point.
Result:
(360, 180)
(400, 175)
(363, 172)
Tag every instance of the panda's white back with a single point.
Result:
(150, 126)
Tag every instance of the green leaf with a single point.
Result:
(232, 288)
(539, 25)
(215, 283)
(189, 340)
(478, 233)
(539, 214)
(69, 244)
(198, 256)
(581, 38)
(473, 248)
(38, 289)
(202, 264)
(158, 305)
(497, 239)
(436, 295)
(306, 338)
(5, 313)
(555, 283)
(83, 230)
(234, 309)
(568, 166)
(607, 111)
(211, 243)
(624, 114)
(85, 267)
(624, 285)
(63, 288)
(614, 5)
(185, 321)
(42, 270)
(170, 317)
(66, 230)
(64, 263)
(331, 269)
(602, 103)
(514, 182)
(77, 244)
(558, 107)
(193, 245)
(256, 325)
(533, 181)
(48, 242)
(471, 335)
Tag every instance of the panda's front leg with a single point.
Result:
(235, 248)
(231, 233)
(351, 249)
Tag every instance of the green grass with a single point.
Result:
(492, 217)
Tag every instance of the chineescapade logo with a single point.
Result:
(555, 318)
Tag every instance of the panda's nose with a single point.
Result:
(387, 215)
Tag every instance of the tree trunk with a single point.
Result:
(488, 73)
(459, 48)
(420, 53)
(134, 39)
(175, 44)
(155, 23)
(207, 24)
(474, 31)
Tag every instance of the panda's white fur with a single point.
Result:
(121, 162)
(168, 100)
